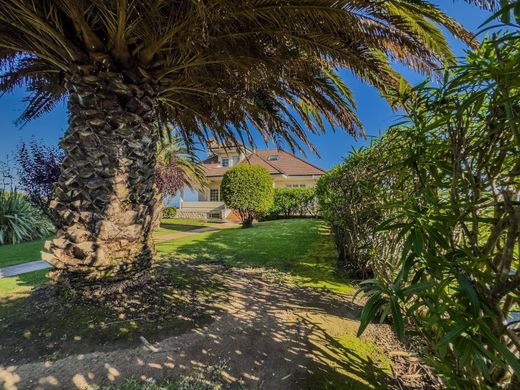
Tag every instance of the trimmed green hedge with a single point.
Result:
(294, 202)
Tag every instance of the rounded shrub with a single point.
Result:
(249, 190)
(170, 212)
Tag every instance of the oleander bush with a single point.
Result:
(351, 198)
(432, 210)
(248, 189)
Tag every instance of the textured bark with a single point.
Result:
(106, 196)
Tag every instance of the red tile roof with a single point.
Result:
(287, 164)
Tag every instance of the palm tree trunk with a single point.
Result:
(106, 197)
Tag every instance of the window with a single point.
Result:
(296, 186)
(213, 195)
(273, 157)
(225, 162)
(214, 216)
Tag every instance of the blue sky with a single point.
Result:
(373, 111)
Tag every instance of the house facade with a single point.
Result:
(286, 169)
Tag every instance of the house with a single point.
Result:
(286, 169)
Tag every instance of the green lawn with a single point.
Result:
(300, 248)
(21, 285)
(29, 251)
(20, 253)
(299, 252)
(176, 225)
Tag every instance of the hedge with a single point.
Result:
(294, 202)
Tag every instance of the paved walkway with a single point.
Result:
(23, 268)
(40, 264)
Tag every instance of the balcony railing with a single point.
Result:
(208, 206)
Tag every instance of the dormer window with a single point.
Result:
(273, 157)
(225, 162)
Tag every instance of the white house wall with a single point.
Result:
(204, 207)
(203, 196)
(295, 180)
(278, 182)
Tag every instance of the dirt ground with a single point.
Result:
(262, 334)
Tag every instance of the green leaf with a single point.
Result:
(369, 311)
(397, 318)
(482, 366)
(460, 327)
(470, 292)
(506, 8)
(416, 288)
(511, 359)
(402, 86)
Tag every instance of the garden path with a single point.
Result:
(18, 269)
(264, 335)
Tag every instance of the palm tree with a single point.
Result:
(211, 68)
(177, 167)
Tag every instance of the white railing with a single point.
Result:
(203, 205)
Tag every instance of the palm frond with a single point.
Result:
(226, 69)
(173, 151)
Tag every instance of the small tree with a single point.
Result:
(249, 190)
(38, 172)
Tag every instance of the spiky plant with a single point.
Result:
(19, 220)
(211, 68)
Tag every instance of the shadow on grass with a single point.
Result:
(300, 248)
(270, 352)
(261, 333)
(46, 324)
(20, 286)
(174, 227)
(270, 335)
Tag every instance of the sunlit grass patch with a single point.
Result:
(21, 285)
(341, 360)
(300, 249)
(349, 362)
(20, 253)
